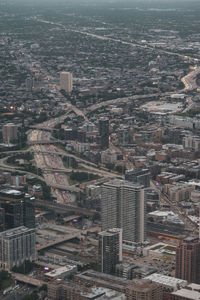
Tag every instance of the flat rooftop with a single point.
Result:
(167, 280)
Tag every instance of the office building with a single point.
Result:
(143, 289)
(169, 284)
(141, 177)
(104, 132)
(10, 133)
(19, 208)
(125, 270)
(29, 84)
(16, 246)
(188, 260)
(66, 81)
(109, 250)
(2, 219)
(123, 206)
(190, 292)
(70, 290)
(91, 277)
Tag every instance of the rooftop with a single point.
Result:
(15, 231)
(60, 271)
(167, 280)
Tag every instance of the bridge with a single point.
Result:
(65, 208)
(28, 280)
(62, 239)
(43, 128)
(44, 142)
(70, 188)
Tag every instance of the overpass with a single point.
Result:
(43, 128)
(44, 142)
(28, 280)
(65, 208)
(57, 241)
(70, 188)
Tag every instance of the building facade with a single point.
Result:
(104, 132)
(143, 289)
(66, 81)
(123, 206)
(10, 133)
(188, 260)
(109, 250)
(16, 246)
(19, 209)
(141, 177)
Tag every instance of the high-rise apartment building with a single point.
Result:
(10, 133)
(104, 132)
(16, 246)
(66, 81)
(19, 209)
(143, 289)
(29, 83)
(188, 260)
(109, 250)
(123, 206)
(141, 176)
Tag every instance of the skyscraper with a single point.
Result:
(16, 246)
(19, 208)
(104, 132)
(110, 250)
(188, 260)
(143, 289)
(123, 206)
(66, 81)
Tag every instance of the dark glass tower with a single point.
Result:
(110, 250)
(18, 208)
(104, 132)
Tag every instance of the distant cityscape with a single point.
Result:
(100, 150)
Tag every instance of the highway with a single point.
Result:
(119, 41)
(28, 280)
(62, 239)
(66, 208)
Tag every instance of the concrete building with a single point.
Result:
(29, 84)
(66, 81)
(62, 272)
(169, 284)
(16, 246)
(141, 177)
(123, 206)
(125, 270)
(73, 291)
(10, 133)
(191, 143)
(143, 289)
(191, 292)
(178, 192)
(91, 277)
(109, 250)
(188, 260)
(108, 157)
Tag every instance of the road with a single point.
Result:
(175, 208)
(119, 41)
(66, 208)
